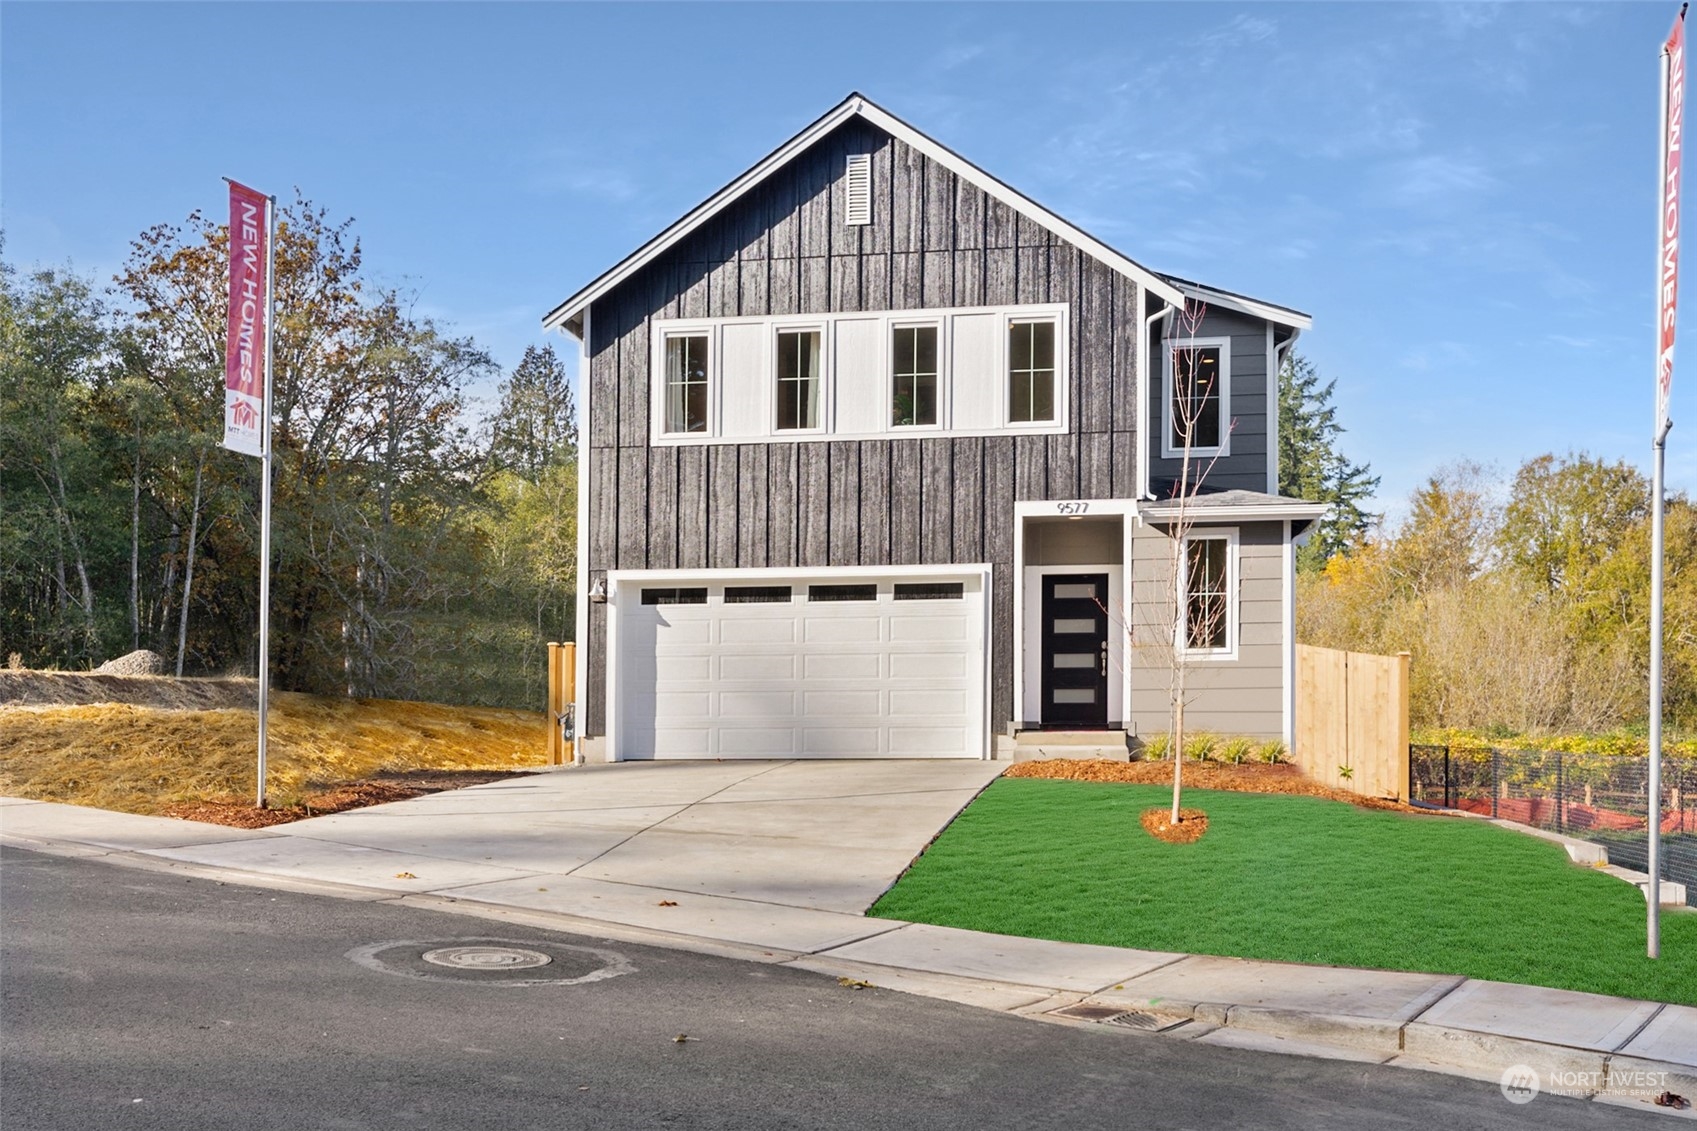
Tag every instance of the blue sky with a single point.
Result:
(1462, 195)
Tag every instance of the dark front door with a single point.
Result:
(1075, 650)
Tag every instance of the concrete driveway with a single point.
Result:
(829, 836)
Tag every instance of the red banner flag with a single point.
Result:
(1667, 281)
(245, 360)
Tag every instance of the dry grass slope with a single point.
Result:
(141, 758)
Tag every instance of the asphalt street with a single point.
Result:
(132, 998)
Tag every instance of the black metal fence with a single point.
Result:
(1603, 798)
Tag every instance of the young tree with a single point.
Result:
(1312, 466)
(1186, 608)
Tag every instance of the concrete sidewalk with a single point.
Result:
(775, 861)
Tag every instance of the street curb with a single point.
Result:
(1407, 1043)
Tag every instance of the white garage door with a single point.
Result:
(837, 667)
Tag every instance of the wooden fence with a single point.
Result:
(1352, 720)
(562, 691)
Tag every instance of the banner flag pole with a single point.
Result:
(247, 392)
(1667, 309)
(265, 502)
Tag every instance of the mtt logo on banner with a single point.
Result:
(250, 311)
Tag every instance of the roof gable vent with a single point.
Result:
(858, 188)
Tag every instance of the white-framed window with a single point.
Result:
(859, 375)
(1032, 370)
(1196, 397)
(798, 367)
(688, 381)
(1207, 595)
(916, 369)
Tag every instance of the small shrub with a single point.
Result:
(15, 661)
(1158, 747)
(1237, 751)
(1272, 752)
(1346, 772)
(1201, 746)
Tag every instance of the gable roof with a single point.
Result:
(569, 314)
(1231, 300)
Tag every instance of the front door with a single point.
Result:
(1075, 651)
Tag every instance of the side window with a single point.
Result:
(1208, 612)
(1198, 382)
(686, 383)
(798, 379)
(1031, 372)
(913, 376)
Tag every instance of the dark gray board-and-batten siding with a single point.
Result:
(934, 241)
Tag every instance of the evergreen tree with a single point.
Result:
(1312, 467)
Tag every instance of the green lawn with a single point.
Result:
(1295, 879)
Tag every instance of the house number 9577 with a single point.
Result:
(1072, 508)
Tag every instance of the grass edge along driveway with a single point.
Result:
(1291, 879)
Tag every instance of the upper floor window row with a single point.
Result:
(971, 371)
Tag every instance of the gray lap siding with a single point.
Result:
(934, 241)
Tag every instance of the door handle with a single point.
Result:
(1104, 670)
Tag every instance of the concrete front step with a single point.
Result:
(1042, 745)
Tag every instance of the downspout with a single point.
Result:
(1166, 312)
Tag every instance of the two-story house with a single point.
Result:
(877, 460)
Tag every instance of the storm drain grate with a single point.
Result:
(1138, 1019)
(492, 962)
(1148, 1022)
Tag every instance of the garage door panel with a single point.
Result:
(842, 666)
(825, 704)
(927, 628)
(872, 678)
(673, 669)
(757, 630)
(927, 665)
(756, 741)
(764, 668)
(842, 741)
(671, 742)
(757, 704)
(674, 629)
(927, 703)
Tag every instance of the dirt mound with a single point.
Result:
(1249, 777)
(140, 662)
(75, 689)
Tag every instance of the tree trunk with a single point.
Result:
(188, 568)
(135, 545)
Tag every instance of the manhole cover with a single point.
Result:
(486, 957)
(493, 962)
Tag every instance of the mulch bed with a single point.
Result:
(1158, 824)
(378, 790)
(1249, 777)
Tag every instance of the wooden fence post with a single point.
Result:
(568, 697)
(554, 743)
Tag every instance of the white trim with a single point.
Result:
(898, 320)
(856, 105)
(1234, 599)
(1028, 678)
(659, 412)
(1126, 510)
(1243, 304)
(623, 584)
(1272, 415)
(1287, 697)
(948, 396)
(580, 627)
(1059, 390)
(824, 390)
(1169, 346)
(1248, 512)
